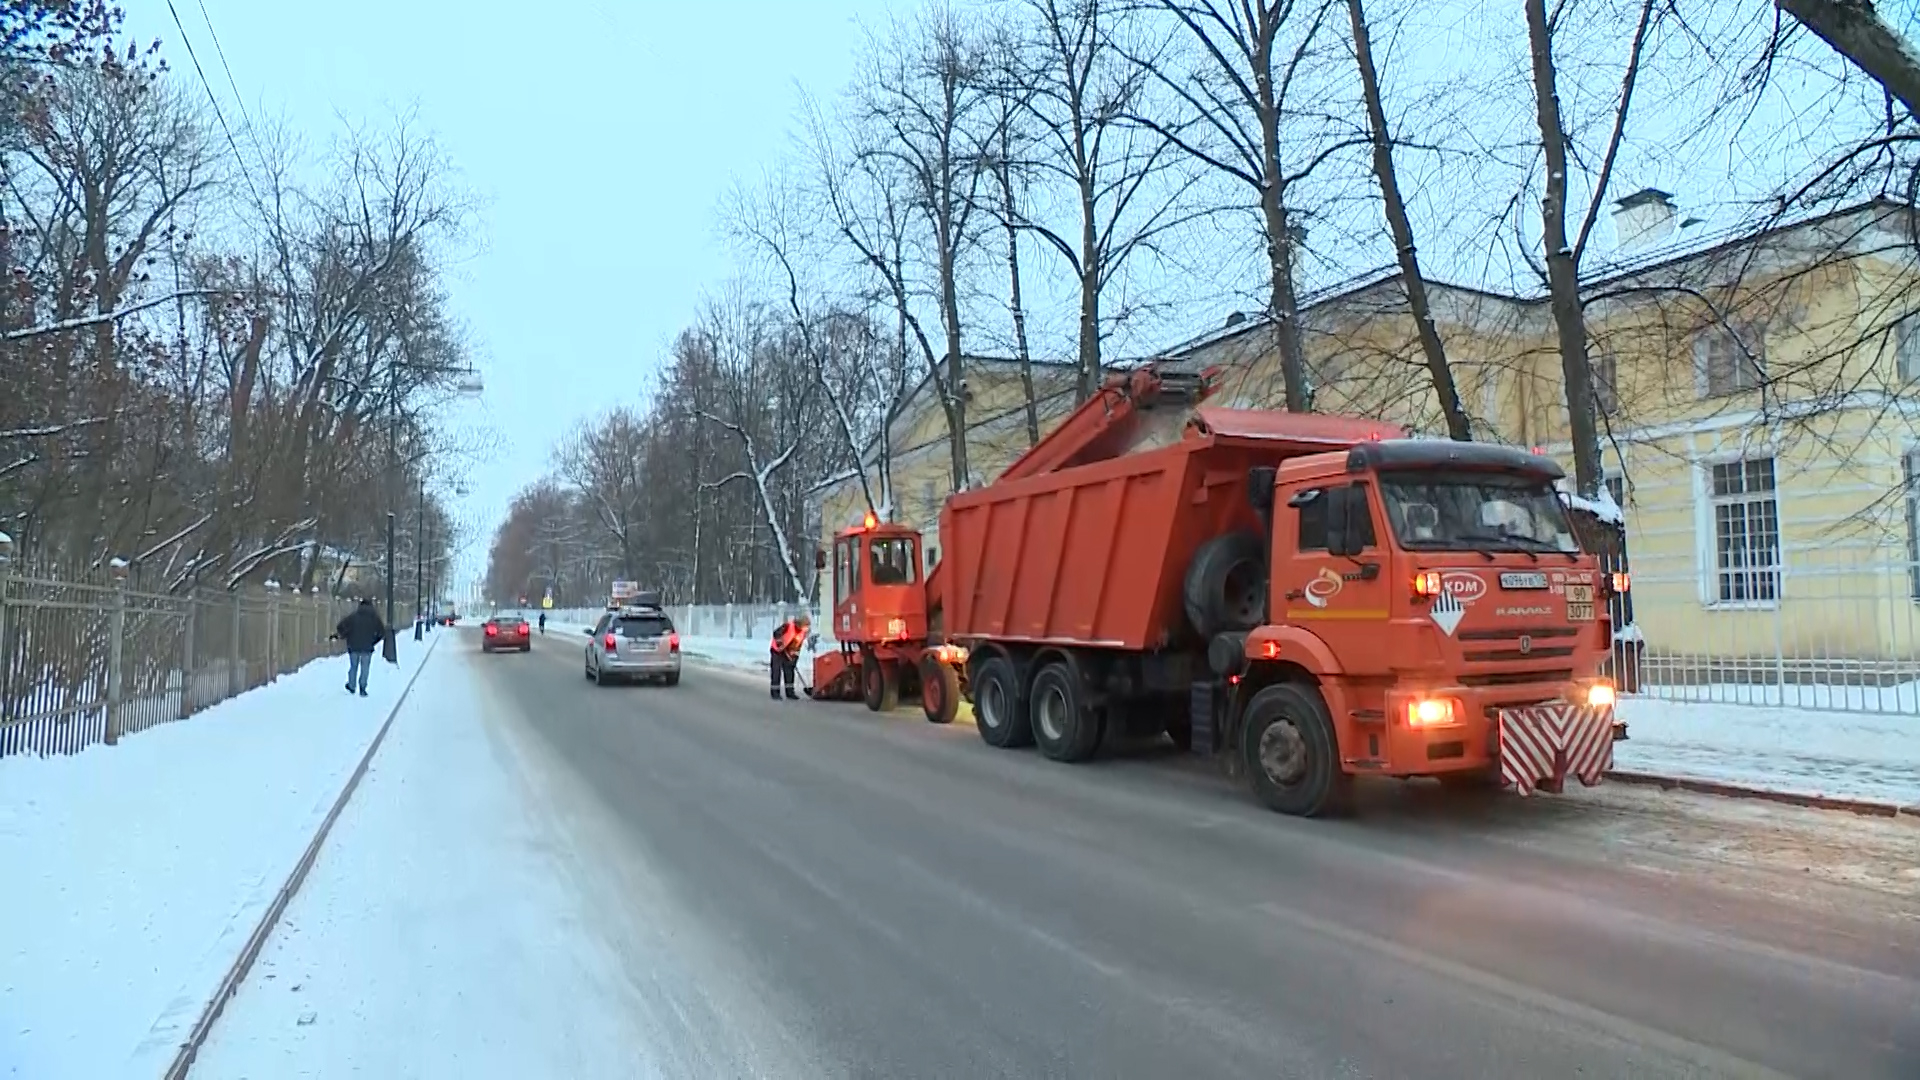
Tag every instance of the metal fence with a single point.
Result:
(88, 661)
(1829, 628)
(730, 621)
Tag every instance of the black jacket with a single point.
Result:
(362, 629)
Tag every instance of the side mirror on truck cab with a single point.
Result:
(819, 558)
(1348, 522)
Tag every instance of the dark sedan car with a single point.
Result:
(506, 633)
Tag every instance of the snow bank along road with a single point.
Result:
(131, 876)
(540, 877)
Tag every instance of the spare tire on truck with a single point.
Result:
(1226, 585)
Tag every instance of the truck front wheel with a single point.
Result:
(999, 709)
(1292, 758)
(1063, 726)
(939, 690)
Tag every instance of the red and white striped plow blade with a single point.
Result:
(1541, 745)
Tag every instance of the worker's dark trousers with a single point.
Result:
(780, 671)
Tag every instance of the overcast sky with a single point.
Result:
(601, 143)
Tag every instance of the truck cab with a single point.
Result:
(881, 626)
(1436, 597)
(877, 592)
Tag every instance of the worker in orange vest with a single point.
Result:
(785, 655)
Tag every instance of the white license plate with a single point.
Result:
(1579, 594)
(1579, 612)
(1523, 581)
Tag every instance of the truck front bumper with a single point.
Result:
(1533, 746)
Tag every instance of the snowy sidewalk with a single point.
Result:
(452, 926)
(1776, 748)
(133, 874)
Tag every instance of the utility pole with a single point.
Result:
(419, 563)
(393, 465)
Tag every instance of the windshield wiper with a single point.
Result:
(1540, 545)
(1516, 541)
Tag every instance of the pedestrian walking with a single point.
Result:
(784, 655)
(543, 622)
(361, 631)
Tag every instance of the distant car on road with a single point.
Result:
(634, 644)
(508, 633)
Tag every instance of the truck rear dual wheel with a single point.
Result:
(999, 708)
(1291, 754)
(1063, 726)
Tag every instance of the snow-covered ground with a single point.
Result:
(1802, 750)
(1854, 755)
(446, 930)
(132, 875)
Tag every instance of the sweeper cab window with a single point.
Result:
(892, 561)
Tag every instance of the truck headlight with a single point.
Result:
(1431, 712)
(1600, 695)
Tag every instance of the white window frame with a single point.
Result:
(1606, 391)
(1707, 521)
(1910, 483)
(1906, 347)
(1752, 335)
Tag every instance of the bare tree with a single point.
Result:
(917, 107)
(1242, 116)
(603, 465)
(1007, 147)
(1562, 254)
(1459, 427)
(1081, 86)
(771, 222)
(1856, 31)
(760, 413)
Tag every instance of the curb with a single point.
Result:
(1864, 807)
(257, 941)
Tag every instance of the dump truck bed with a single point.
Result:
(1094, 555)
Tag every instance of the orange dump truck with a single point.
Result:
(1312, 598)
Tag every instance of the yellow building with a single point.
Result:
(918, 453)
(1758, 423)
(1758, 414)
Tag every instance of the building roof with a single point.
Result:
(1610, 274)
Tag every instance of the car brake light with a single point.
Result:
(1426, 583)
(493, 631)
(673, 641)
(523, 629)
(611, 643)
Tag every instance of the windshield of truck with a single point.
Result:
(892, 561)
(1469, 511)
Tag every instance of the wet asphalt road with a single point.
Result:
(799, 889)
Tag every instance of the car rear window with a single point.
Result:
(644, 626)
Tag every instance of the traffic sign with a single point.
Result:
(546, 602)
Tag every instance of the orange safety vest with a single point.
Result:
(788, 637)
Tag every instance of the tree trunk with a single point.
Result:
(1458, 427)
(1857, 32)
(1563, 274)
(1016, 304)
(1283, 305)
